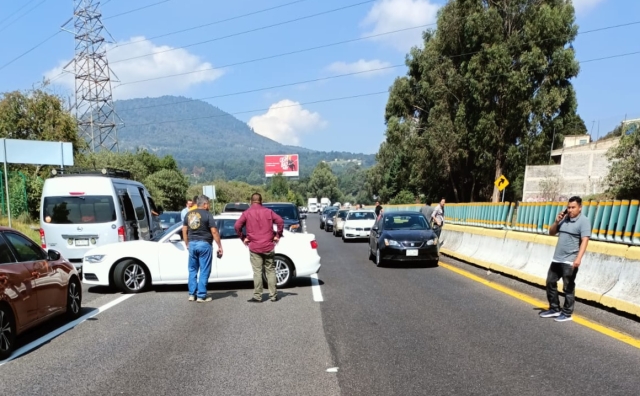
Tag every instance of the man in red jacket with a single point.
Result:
(261, 240)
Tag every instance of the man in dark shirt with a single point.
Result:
(199, 231)
(378, 208)
(261, 241)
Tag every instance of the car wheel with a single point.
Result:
(7, 332)
(284, 272)
(74, 299)
(131, 277)
(378, 258)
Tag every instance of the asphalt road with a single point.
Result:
(387, 331)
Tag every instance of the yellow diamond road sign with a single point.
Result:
(501, 183)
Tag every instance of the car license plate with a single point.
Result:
(412, 252)
(82, 242)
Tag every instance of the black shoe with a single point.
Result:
(253, 300)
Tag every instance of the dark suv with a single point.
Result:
(289, 213)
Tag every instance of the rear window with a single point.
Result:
(286, 212)
(361, 216)
(79, 210)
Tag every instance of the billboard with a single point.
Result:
(287, 164)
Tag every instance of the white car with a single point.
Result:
(357, 224)
(133, 266)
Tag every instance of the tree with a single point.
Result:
(404, 197)
(279, 186)
(624, 174)
(323, 183)
(168, 187)
(485, 97)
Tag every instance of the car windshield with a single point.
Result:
(168, 231)
(405, 222)
(361, 216)
(170, 218)
(342, 214)
(287, 212)
(83, 209)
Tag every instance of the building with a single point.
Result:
(580, 168)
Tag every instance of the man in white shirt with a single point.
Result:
(186, 210)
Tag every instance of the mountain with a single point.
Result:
(208, 142)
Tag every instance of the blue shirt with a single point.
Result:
(183, 213)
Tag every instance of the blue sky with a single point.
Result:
(607, 90)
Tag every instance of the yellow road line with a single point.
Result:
(540, 304)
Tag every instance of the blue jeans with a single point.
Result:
(200, 257)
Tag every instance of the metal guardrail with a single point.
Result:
(616, 221)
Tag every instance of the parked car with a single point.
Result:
(85, 209)
(168, 219)
(357, 224)
(35, 286)
(326, 213)
(235, 207)
(289, 213)
(133, 267)
(403, 236)
(338, 221)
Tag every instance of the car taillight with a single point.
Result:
(43, 240)
(314, 244)
(121, 237)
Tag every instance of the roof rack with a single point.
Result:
(107, 172)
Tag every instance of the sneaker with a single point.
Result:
(563, 318)
(192, 298)
(206, 299)
(550, 314)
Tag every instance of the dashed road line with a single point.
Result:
(315, 288)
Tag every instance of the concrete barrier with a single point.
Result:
(609, 273)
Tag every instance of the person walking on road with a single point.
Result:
(438, 217)
(573, 230)
(186, 209)
(199, 231)
(378, 209)
(427, 211)
(261, 240)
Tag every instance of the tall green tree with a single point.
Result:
(486, 96)
(323, 183)
(624, 174)
(168, 187)
(279, 186)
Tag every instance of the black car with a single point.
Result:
(289, 213)
(403, 236)
(327, 214)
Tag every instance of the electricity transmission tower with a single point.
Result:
(97, 119)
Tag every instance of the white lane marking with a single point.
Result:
(315, 288)
(48, 337)
(332, 370)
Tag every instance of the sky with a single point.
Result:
(328, 98)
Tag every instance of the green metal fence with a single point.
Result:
(17, 194)
(615, 221)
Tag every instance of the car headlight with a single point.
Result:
(391, 242)
(330, 222)
(96, 258)
(348, 228)
(432, 242)
(294, 227)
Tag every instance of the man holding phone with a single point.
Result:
(573, 230)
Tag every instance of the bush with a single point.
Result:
(404, 197)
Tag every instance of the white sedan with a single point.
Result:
(133, 266)
(358, 224)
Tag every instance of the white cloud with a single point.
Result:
(390, 15)
(285, 121)
(158, 65)
(582, 6)
(359, 67)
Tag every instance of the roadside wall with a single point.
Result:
(609, 274)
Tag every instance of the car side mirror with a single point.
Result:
(175, 238)
(375, 228)
(53, 255)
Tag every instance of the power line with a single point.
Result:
(16, 11)
(29, 50)
(214, 23)
(271, 56)
(22, 15)
(136, 9)
(271, 87)
(248, 31)
(263, 109)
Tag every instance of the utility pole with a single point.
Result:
(97, 119)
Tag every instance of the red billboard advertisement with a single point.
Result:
(287, 164)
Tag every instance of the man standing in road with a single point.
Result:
(573, 230)
(186, 209)
(438, 217)
(378, 209)
(261, 240)
(199, 231)
(427, 211)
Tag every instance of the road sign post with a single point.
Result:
(501, 183)
(210, 191)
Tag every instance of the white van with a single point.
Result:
(83, 210)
